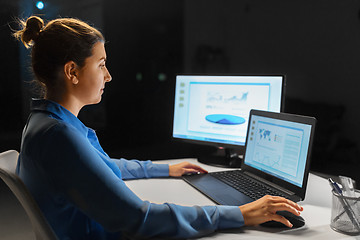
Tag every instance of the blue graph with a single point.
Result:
(225, 119)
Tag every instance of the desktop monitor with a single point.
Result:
(214, 110)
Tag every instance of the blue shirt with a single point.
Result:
(81, 191)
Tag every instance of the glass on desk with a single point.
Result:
(345, 220)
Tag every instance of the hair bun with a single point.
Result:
(33, 27)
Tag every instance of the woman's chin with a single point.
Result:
(95, 101)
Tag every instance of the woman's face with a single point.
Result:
(93, 76)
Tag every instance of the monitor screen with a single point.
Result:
(215, 109)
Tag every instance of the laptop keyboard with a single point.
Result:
(245, 184)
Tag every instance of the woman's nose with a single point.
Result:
(108, 77)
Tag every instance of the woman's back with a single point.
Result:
(48, 171)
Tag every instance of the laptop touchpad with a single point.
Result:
(218, 191)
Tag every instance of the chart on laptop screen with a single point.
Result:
(276, 147)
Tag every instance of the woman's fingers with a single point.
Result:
(182, 168)
(195, 168)
(281, 219)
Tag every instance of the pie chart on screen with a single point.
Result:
(225, 119)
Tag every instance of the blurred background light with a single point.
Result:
(40, 5)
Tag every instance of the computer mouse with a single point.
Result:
(296, 221)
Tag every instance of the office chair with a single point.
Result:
(40, 226)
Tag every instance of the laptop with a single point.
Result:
(276, 162)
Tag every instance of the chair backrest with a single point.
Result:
(42, 229)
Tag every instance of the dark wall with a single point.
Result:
(10, 93)
(145, 48)
(316, 44)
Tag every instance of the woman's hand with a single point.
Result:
(265, 208)
(180, 169)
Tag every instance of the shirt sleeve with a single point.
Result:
(132, 169)
(75, 168)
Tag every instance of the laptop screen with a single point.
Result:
(278, 147)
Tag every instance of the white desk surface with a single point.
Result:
(317, 206)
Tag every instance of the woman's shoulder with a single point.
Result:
(43, 134)
(42, 123)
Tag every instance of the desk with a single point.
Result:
(317, 206)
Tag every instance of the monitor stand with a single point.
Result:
(223, 157)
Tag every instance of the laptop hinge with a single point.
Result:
(290, 193)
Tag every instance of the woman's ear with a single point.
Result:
(70, 70)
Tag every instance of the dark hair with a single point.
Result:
(58, 42)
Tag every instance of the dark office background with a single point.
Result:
(315, 43)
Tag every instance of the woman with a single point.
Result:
(79, 188)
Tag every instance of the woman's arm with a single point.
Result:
(93, 184)
(132, 169)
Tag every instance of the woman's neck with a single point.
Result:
(68, 102)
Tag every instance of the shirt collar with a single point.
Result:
(58, 112)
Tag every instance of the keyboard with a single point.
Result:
(245, 184)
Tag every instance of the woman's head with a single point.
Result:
(56, 43)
